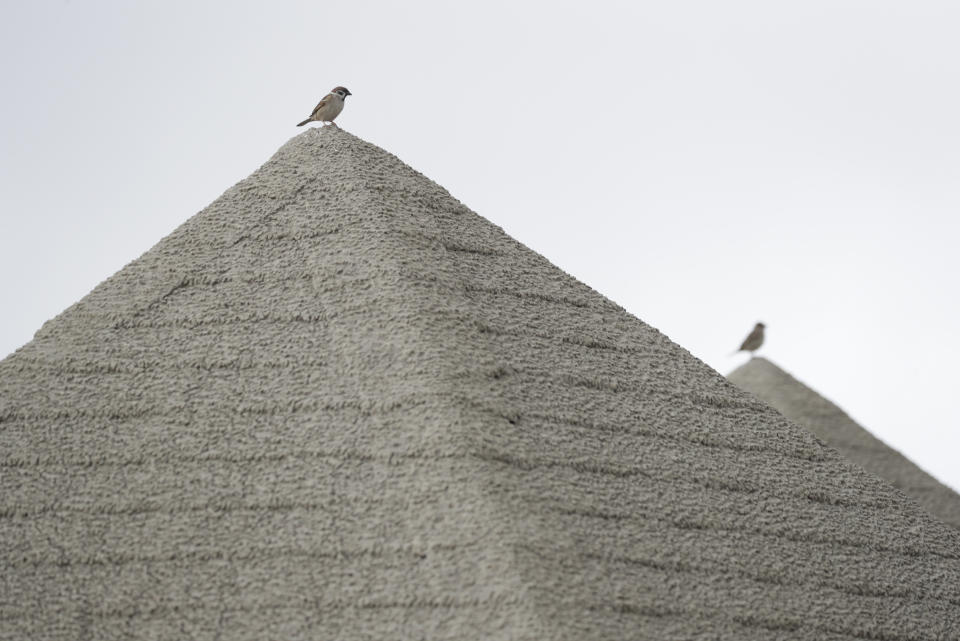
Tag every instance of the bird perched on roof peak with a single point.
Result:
(753, 341)
(329, 106)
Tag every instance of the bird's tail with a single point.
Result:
(300, 124)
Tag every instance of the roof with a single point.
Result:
(808, 408)
(338, 404)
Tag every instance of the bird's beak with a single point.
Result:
(349, 94)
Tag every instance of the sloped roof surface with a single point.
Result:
(337, 404)
(801, 404)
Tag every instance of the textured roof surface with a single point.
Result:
(801, 404)
(337, 404)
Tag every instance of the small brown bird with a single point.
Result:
(329, 107)
(753, 341)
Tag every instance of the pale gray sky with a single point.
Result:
(704, 164)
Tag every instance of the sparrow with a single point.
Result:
(753, 341)
(329, 107)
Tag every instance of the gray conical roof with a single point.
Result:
(336, 404)
(801, 404)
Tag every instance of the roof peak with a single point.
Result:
(828, 421)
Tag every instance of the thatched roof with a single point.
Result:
(808, 408)
(337, 404)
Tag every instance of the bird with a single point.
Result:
(329, 107)
(753, 341)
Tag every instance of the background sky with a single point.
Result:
(704, 164)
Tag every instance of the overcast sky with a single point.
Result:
(704, 164)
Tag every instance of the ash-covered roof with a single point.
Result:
(337, 404)
(808, 408)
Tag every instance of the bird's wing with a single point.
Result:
(319, 106)
(750, 341)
